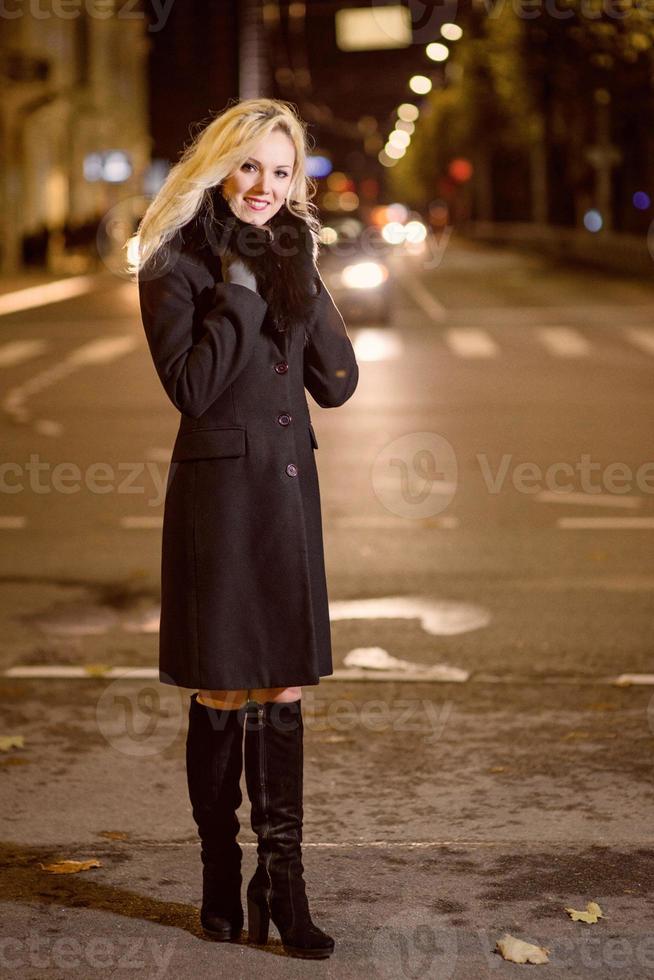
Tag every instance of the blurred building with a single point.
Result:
(73, 127)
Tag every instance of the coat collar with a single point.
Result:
(281, 254)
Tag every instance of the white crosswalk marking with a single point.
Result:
(564, 341)
(17, 351)
(11, 523)
(141, 521)
(642, 337)
(102, 350)
(606, 523)
(470, 342)
(592, 499)
(49, 292)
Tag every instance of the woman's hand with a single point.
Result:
(234, 270)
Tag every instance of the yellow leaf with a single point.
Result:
(518, 951)
(11, 742)
(70, 867)
(96, 670)
(592, 914)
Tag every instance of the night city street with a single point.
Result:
(487, 804)
(479, 763)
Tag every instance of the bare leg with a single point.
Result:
(262, 694)
(236, 699)
(223, 699)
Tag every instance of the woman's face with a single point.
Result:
(256, 191)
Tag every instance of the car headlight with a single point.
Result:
(364, 275)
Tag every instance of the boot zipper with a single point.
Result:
(264, 799)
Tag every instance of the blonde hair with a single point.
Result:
(214, 154)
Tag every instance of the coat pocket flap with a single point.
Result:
(314, 441)
(209, 443)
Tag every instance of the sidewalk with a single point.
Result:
(615, 252)
(437, 818)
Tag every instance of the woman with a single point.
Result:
(239, 323)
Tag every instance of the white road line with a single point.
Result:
(438, 617)
(596, 499)
(9, 523)
(42, 295)
(381, 520)
(17, 351)
(641, 337)
(103, 672)
(470, 342)
(48, 427)
(634, 679)
(421, 295)
(159, 454)
(373, 344)
(91, 670)
(564, 341)
(102, 350)
(605, 523)
(141, 521)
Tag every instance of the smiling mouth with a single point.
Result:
(256, 204)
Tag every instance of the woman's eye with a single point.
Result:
(279, 173)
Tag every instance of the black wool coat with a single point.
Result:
(244, 599)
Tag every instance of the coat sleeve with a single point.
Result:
(331, 372)
(194, 375)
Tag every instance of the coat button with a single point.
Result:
(291, 469)
(284, 418)
(281, 367)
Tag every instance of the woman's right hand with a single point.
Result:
(234, 270)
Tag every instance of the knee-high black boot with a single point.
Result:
(273, 774)
(214, 763)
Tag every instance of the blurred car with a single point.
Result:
(353, 261)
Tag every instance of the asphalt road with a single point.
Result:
(438, 814)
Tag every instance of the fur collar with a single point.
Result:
(281, 253)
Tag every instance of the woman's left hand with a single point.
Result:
(234, 270)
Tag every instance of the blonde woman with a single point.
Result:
(239, 323)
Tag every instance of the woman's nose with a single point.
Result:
(263, 185)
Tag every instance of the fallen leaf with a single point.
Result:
(518, 951)
(96, 670)
(70, 867)
(12, 742)
(592, 914)
(114, 834)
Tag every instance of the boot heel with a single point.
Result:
(258, 922)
